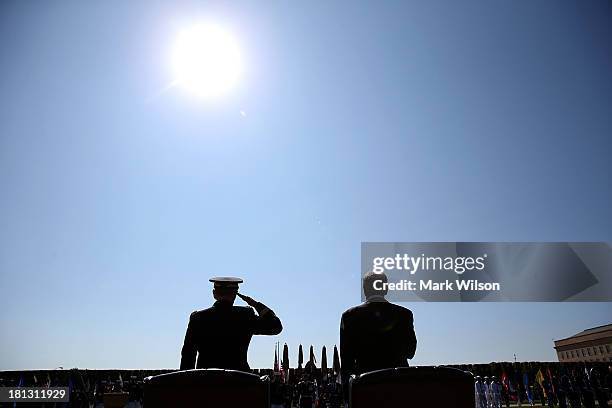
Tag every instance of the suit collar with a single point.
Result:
(374, 299)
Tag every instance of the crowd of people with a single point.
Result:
(563, 385)
(551, 385)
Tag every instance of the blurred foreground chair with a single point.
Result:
(207, 388)
(412, 387)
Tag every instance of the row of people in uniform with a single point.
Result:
(571, 389)
(487, 392)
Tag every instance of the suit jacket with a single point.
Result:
(373, 336)
(221, 334)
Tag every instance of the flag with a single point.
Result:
(19, 384)
(312, 358)
(310, 365)
(276, 368)
(540, 380)
(285, 363)
(324, 362)
(550, 380)
(300, 357)
(70, 389)
(527, 389)
(336, 365)
(511, 386)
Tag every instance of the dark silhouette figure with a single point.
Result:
(221, 334)
(376, 334)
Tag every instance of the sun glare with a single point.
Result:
(206, 61)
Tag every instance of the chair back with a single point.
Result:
(207, 388)
(412, 387)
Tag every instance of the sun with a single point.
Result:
(206, 61)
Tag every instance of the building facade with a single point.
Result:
(593, 345)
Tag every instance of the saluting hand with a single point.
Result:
(249, 301)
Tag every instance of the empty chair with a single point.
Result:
(412, 387)
(207, 388)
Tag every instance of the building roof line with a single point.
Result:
(588, 332)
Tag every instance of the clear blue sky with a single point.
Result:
(366, 121)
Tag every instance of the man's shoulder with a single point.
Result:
(211, 310)
(386, 307)
(200, 313)
(242, 310)
(400, 309)
(351, 311)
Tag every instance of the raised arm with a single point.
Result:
(265, 322)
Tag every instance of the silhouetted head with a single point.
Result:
(373, 285)
(225, 289)
(224, 295)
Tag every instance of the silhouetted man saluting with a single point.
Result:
(376, 334)
(221, 334)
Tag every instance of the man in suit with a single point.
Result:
(376, 334)
(220, 335)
